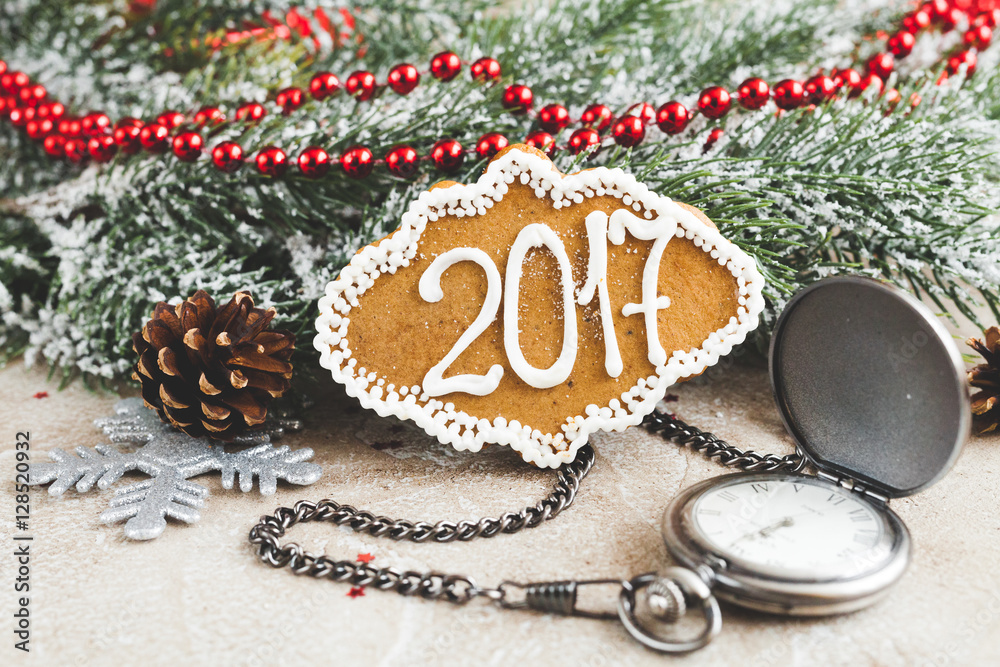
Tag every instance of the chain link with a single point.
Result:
(459, 589)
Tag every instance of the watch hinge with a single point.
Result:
(851, 484)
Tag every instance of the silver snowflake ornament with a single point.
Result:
(170, 458)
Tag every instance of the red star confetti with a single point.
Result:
(365, 558)
(41, 394)
(356, 592)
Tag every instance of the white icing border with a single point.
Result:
(469, 433)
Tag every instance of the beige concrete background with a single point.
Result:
(197, 595)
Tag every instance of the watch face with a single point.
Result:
(791, 526)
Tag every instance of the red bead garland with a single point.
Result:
(227, 156)
(517, 98)
(54, 145)
(542, 141)
(155, 138)
(490, 144)
(980, 36)
(754, 93)
(75, 150)
(187, 146)
(403, 78)
(402, 161)
(289, 99)
(447, 155)
(714, 102)
(445, 66)
(357, 162)
(713, 137)
(361, 85)
(553, 117)
(789, 94)
(314, 162)
(629, 131)
(672, 118)
(485, 70)
(102, 148)
(323, 85)
(171, 119)
(597, 117)
(965, 59)
(869, 81)
(643, 110)
(901, 44)
(94, 123)
(583, 139)
(848, 78)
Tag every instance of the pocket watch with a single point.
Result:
(872, 389)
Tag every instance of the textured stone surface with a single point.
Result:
(197, 595)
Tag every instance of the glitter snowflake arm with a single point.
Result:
(103, 464)
(268, 464)
(146, 504)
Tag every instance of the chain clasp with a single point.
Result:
(557, 597)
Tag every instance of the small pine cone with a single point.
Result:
(212, 372)
(986, 378)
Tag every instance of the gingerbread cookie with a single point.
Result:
(532, 308)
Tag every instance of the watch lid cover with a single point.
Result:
(870, 384)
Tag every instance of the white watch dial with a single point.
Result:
(793, 527)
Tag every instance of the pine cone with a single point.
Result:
(212, 372)
(986, 378)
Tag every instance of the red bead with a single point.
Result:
(251, 112)
(155, 138)
(127, 138)
(31, 96)
(672, 118)
(447, 155)
(271, 161)
(403, 78)
(754, 93)
(490, 144)
(56, 110)
(3, 67)
(868, 81)
(227, 156)
(55, 145)
(323, 85)
(357, 162)
(951, 19)
(314, 162)
(789, 94)
(820, 88)
(289, 99)
(70, 127)
(542, 141)
(881, 65)
(187, 146)
(979, 37)
(102, 148)
(848, 78)
(989, 18)
(629, 131)
(938, 9)
(402, 161)
(901, 44)
(38, 128)
(17, 117)
(643, 110)
(553, 117)
(94, 123)
(518, 98)
(445, 66)
(75, 150)
(964, 58)
(485, 69)
(171, 119)
(583, 139)
(714, 102)
(596, 116)
(713, 137)
(360, 84)
(209, 116)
